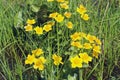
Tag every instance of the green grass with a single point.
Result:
(14, 45)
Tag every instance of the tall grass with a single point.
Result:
(104, 22)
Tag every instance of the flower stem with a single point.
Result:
(80, 74)
(58, 39)
(57, 76)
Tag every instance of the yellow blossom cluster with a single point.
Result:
(36, 59)
(38, 30)
(78, 60)
(59, 18)
(88, 46)
(85, 42)
(82, 10)
(90, 42)
(63, 3)
(29, 26)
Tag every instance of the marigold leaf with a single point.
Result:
(18, 20)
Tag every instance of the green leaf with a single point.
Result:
(60, 32)
(72, 77)
(29, 2)
(34, 8)
(18, 20)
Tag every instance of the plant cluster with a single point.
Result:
(83, 47)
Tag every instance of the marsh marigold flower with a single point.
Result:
(67, 14)
(47, 27)
(59, 18)
(30, 59)
(81, 9)
(87, 45)
(37, 52)
(98, 41)
(39, 63)
(31, 21)
(96, 49)
(28, 27)
(69, 25)
(53, 15)
(76, 62)
(38, 30)
(85, 17)
(75, 36)
(95, 54)
(77, 44)
(64, 6)
(85, 57)
(57, 59)
(90, 38)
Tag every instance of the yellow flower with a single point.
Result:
(70, 25)
(85, 17)
(39, 63)
(37, 52)
(59, 18)
(38, 30)
(64, 6)
(30, 59)
(77, 44)
(76, 62)
(31, 21)
(50, 0)
(28, 27)
(85, 57)
(81, 9)
(98, 41)
(95, 54)
(82, 34)
(53, 15)
(90, 38)
(60, 0)
(67, 14)
(96, 49)
(57, 59)
(47, 27)
(87, 45)
(75, 36)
